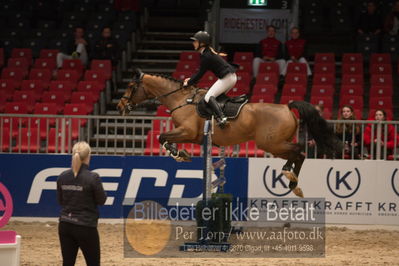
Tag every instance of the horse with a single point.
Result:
(273, 127)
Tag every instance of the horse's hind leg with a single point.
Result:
(291, 152)
(174, 136)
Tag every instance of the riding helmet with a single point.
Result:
(202, 37)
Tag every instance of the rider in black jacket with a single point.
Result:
(212, 61)
(79, 192)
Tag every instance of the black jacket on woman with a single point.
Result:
(212, 62)
(79, 196)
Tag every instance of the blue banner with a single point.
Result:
(31, 181)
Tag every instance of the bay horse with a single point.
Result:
(272, 126)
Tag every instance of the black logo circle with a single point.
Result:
(269, 189)
(343, 196)
(393, 182)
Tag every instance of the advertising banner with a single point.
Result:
(355, 191)
(249, 25)
(31, 181)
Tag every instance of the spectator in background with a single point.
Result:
(349, 133)
(295, 50)
(391, 25)
(106, 47)
(269, 50)
(371, 137)
(370, 22)
(76, 48)
(311, 143)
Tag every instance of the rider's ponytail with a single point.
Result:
(80, 152)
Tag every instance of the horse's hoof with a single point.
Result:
(290, 175)
(298, 191)
(185, 156)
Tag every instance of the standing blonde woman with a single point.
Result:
(79, 191)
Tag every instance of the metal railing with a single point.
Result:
(138, 135)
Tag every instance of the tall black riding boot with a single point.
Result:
(220, 117)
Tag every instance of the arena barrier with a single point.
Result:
(138, 135)
(10, 248)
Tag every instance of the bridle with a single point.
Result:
(137, 82)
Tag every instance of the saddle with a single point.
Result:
(231, 107)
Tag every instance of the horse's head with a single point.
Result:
(133, 95)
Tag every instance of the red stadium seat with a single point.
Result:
(152, 145)
(352, 58)
(44, 124)
(7, 87)
(298, 68)
(380, 91)
(286, 99)
(48, 53)
(381, 103)
(162, 125)
(3, 100)
(163, 111)
(187, 66)
(238, 90)
(28, 97)
(355, 101)
(13, 73)
(27, 141)
(324, 68)
(91, 86)
(380, 59)
(324, 79)
(73, 64)
(296, 79)
(102, 65)
(85, 98)
(267, 78)
(324, 58)
(94, 75)
(381, 80)
(6, 141)
(190, 56)
(181, 75)
(352, 79)
(34, 85)
(245, 67)
(19, 62)
(46, 63)
(56, 97)
(55, 141)
(269, 67)
(352, 90)
(65, 86)
(381, 69)
(266, 98)
(294, 90)
(68, 75)
(352, 69)
(240, 57)
(249, 149)
(209, 78)
(243, 78)
(323, 90)
(22, 52)
(75, 123)
(264, 89)
(15, 122)
(41, 74)
(327, 102)
(194, 149)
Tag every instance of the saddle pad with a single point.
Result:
(230, 107)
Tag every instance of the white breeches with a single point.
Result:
(221, 86)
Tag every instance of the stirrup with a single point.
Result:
(221, 122)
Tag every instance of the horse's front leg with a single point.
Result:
(177, 135)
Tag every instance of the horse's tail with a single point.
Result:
(327, 142)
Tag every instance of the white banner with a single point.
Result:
(249, 25)
(355, 191)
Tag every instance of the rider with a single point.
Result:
(212, 61)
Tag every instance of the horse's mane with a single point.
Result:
(166, 77)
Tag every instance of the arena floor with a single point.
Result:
(345, 246)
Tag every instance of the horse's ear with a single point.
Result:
(137, 73)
